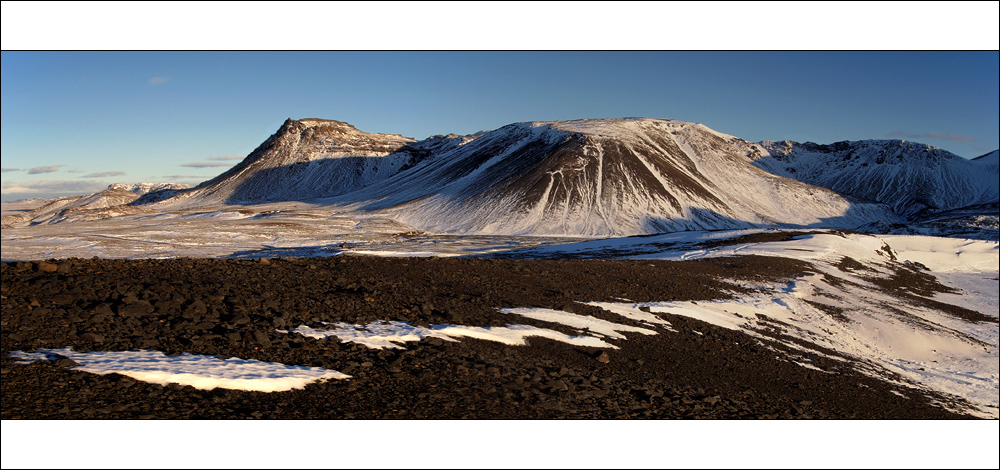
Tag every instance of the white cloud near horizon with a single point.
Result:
(205, 165)
(183, 177)
(158, 80)
(44, 169)
(51, 187)
(7, 170)
(932, 135)
(105, 174)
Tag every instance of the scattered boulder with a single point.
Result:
(92, 337)
(44, 267)
(138, 308)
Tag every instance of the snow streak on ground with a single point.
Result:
(381, 335)
(201, 372)
(596, 326)
(389, 334)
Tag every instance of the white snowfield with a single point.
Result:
(267, 230)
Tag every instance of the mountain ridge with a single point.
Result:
(914, 179)
(591, 177)
(595, 178)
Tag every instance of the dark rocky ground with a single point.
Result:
(232, 308)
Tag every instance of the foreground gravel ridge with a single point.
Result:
(233, 307)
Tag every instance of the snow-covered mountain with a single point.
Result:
(110, 202)
(916, 180)
(583, 178)
(601, 178)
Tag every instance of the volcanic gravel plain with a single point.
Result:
(249, 309)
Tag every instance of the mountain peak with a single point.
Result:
(307, 158)
(318, 121)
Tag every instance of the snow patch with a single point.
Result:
(383, 335)
(581, 322)
(201, 372)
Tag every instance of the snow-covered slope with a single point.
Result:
(600, 178)
(916, 180)
(992, 158)
(306, 159)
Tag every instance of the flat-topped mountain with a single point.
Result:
(306, 159)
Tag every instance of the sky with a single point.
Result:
(74, 121)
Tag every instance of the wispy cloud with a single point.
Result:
(931, 135)
(50, 188)
(185, 177)
(205, 164)
(227, 157)
(7, 170)
(44, 169)
(158, 80)
(105, 174)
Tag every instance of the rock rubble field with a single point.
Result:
(249, 309)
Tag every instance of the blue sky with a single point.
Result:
(75, 121)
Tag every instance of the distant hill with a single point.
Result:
(110, 202)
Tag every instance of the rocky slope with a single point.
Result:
(235, 308)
